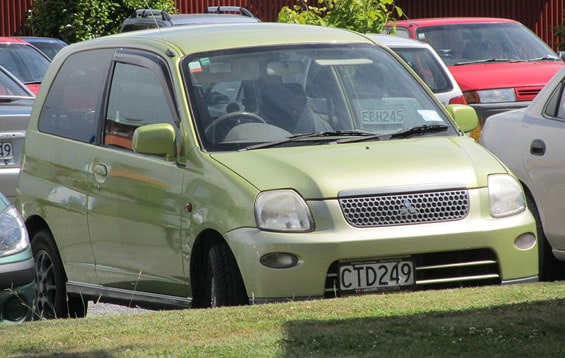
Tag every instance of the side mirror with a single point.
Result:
(464, 116)
(155, 139)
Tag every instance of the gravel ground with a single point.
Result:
(105, 309)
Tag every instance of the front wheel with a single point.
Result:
(224, 284)
(51, 299)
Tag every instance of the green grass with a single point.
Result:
(510, 321)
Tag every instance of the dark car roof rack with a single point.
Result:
(151, 12)
(144, 13)
(228, 9)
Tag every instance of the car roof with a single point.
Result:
(190, 39)
(39, 39)
(6, 39)
(396, 41)
(435, 21)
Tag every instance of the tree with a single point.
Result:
(560, 33)
(77, 20)
(358, 15)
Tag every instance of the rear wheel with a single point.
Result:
(224, 284)
(51, 299)
(550, 268)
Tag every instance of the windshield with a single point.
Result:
(246, 98)
(24, 62)
(469, 43)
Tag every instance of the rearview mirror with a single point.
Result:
(464, 116)
(155, 139)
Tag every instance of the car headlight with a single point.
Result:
(283, 210)
(13, 235)
(491, 96)
(506, 196)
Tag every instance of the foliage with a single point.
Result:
(358, 15)
(77, 20)
(523, 320)
(560, 33)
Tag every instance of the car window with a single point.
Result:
(555, 106)
(71, 109)
(425, 65)
(25, 62)
(254, 96)
(136, 98)
(486, 41)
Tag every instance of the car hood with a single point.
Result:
(323, 171)
(504, 75)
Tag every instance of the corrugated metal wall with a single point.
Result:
(12, 16)
(541, 16)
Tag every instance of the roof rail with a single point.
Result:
(151, 12)
(228, 9)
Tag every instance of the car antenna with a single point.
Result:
(168, 52)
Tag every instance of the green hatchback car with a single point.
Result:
(250, 163)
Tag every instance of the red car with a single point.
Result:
(24, 61)
(499, 63)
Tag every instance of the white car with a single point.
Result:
(427, 64)
(531, 142)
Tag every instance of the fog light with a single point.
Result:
(279, 260)
(525, 241)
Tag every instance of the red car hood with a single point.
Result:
(504, 75)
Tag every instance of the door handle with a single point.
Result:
(537, 147)
(100, 174)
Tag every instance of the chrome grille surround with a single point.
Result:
(405, 208)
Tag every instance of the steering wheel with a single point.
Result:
(247, 116)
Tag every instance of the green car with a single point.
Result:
(17, 267)
(238, 164)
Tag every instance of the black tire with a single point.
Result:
(550, 268)
(51, 299)
(224, 284)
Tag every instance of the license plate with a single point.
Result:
(386, 115)
(6, 151)
(375, 275)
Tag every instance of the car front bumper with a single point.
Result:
(320, 251)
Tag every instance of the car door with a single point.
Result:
(545, 163)
(134, 205)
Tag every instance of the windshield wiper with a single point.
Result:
(545, 58)
(486, 60)
(405, 133)
(299, 137)
(419, 130)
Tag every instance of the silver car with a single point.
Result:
(427, 64)
(16, 102)
(531, 141)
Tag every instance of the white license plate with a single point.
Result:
(386, 115)
(375, 275)
(6, 151)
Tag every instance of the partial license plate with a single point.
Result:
(385, 115)
(6, 152)
(375, 275)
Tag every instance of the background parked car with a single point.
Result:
(24, 61)
(531, 142)
(499, 63)
(17, 267)
(48, 45)
(198, 166)
(16, 101)
(150, 18)
(428, 65)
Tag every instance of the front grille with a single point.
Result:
(406, 208)
(441, 270)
